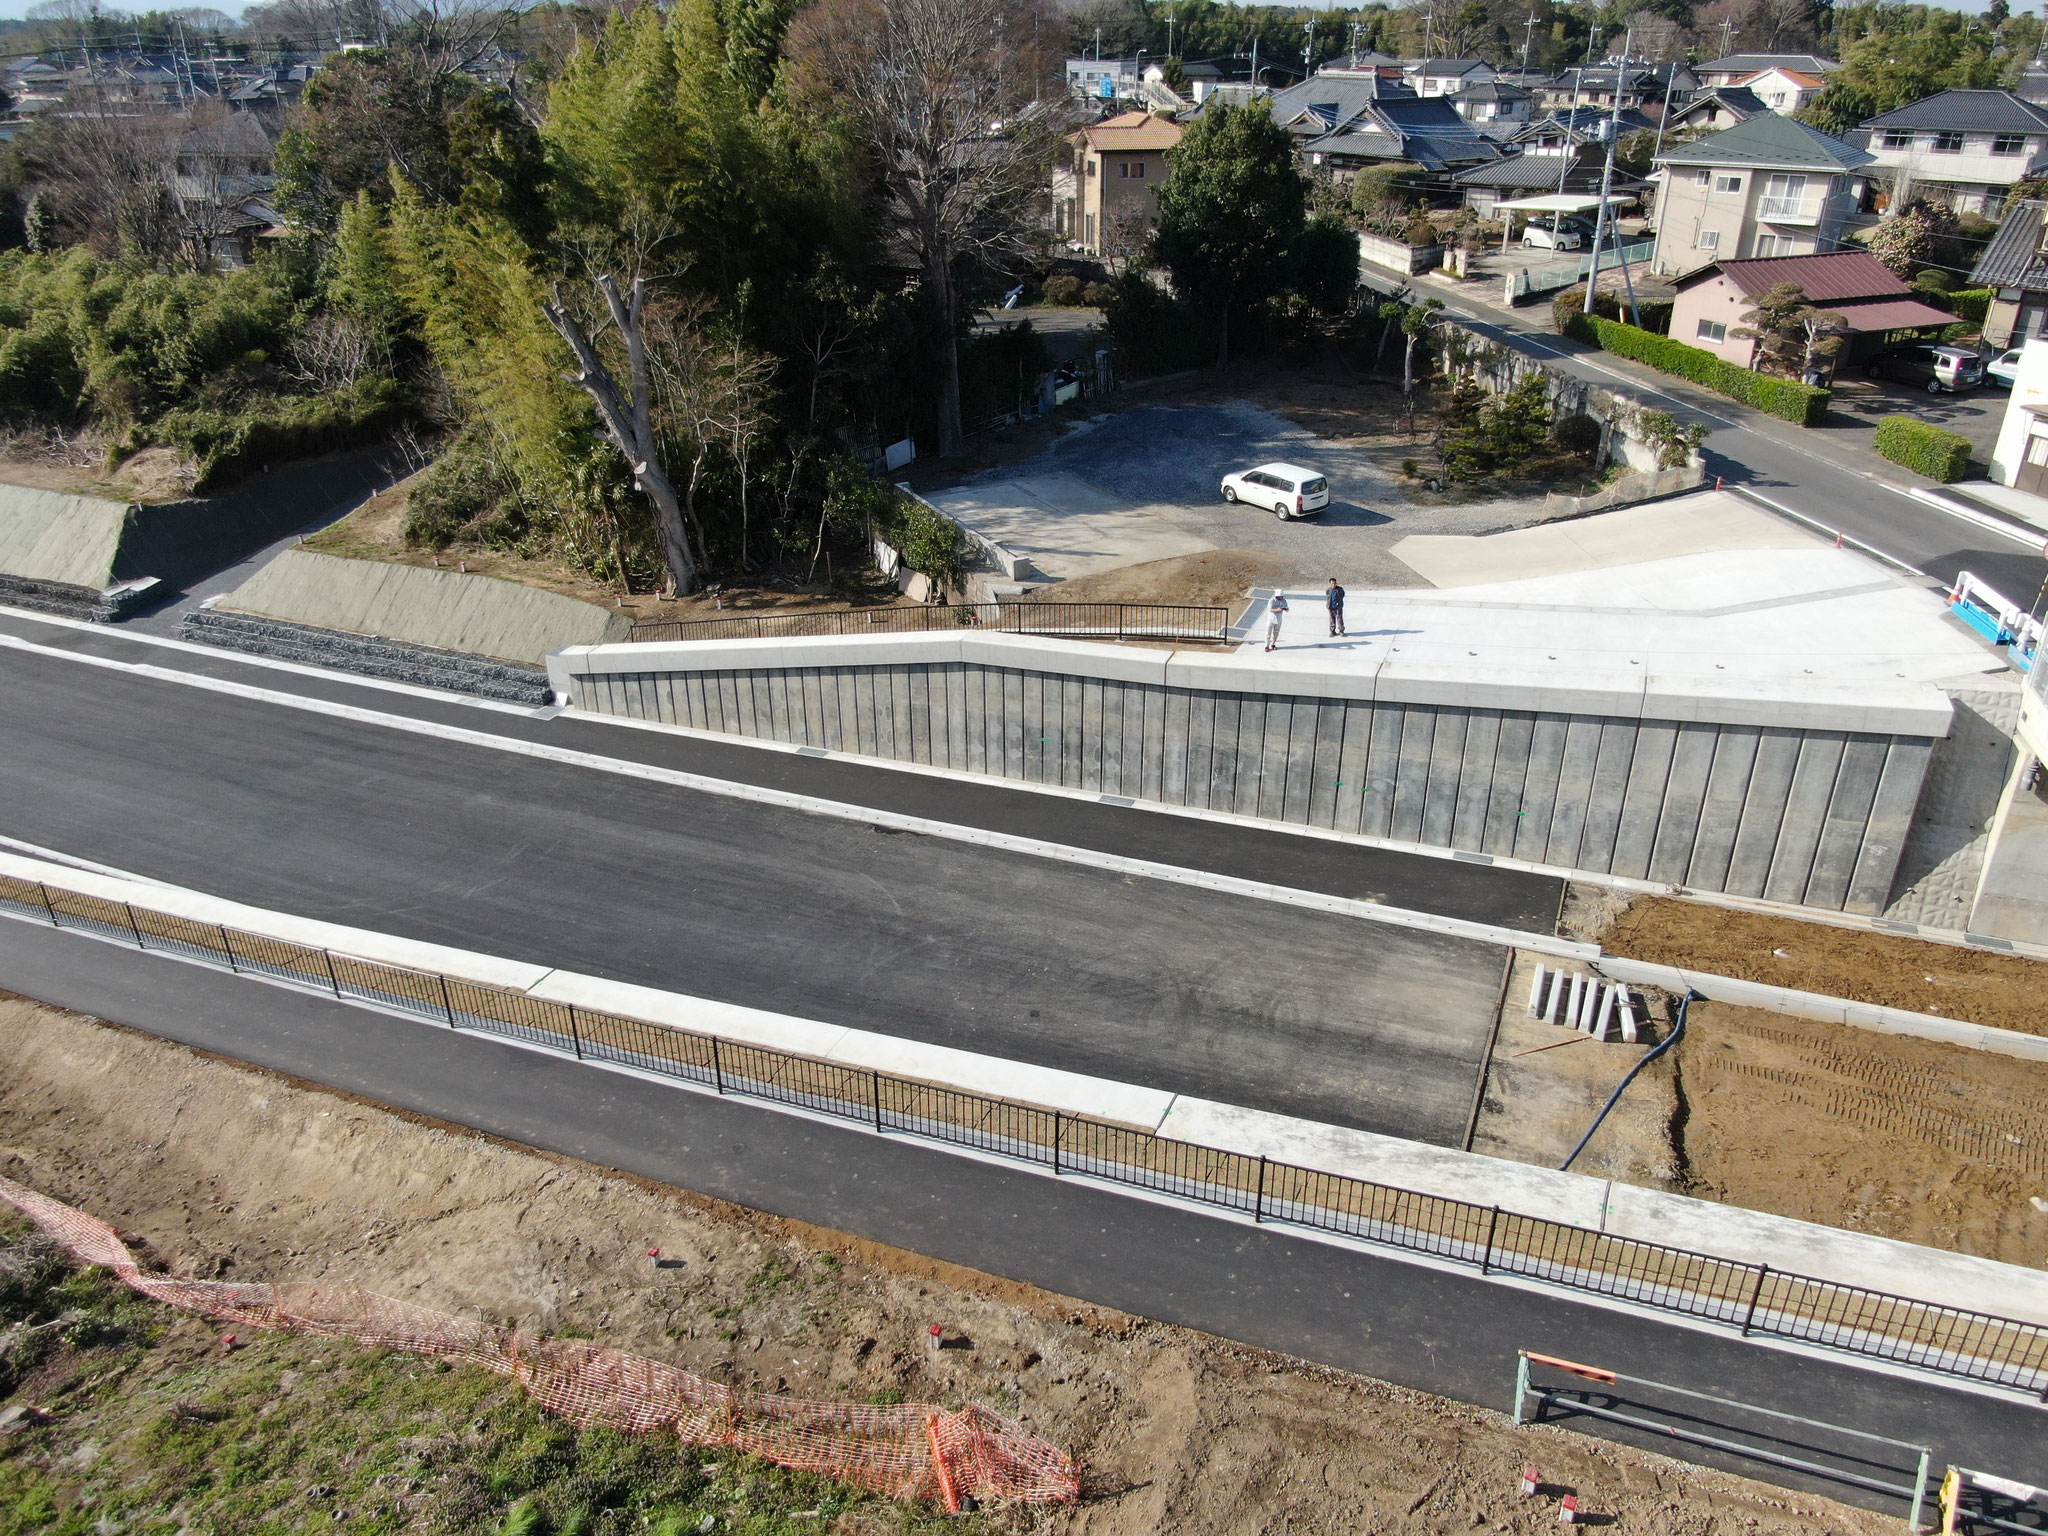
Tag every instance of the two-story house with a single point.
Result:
(1783, 90)
(1964, 148)
(1769, 186)
(1342, 122)
(1564, 133)
(1494, 107)
(1446, 77)
(1737, 67)
(1107, 191)
(2015, 263)
(1711, 111)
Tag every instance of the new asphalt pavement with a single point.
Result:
(1087, 969)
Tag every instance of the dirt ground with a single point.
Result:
(1903, 1138)
(219, 1170)
(1216, 578)
(79, 466)
(2004, 991)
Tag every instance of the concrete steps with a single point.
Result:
(368, 655)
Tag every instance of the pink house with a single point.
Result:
(1880, 309)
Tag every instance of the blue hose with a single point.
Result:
(1677, 1029)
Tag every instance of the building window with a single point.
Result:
(1898, 138)
(1707, 240)
(1123, 169)
(1769, 245)
(1703, 178)
(1947, 143)
(1712, 330)
(1091, 167)
(1137, 170)
(2009, 144)
(1727, 183)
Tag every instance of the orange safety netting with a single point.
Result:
(907, 1451)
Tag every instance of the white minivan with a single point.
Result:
(1287, 490)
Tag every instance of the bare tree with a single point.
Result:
(628, 417)
(101, 169)
(333, 351)
(962, 109)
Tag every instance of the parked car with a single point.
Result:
(1550, 238)
(2003, 369)
(1941, 369)
(1288, 489)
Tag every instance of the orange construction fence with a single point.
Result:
(906, 1451)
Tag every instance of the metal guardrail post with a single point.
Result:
(1259, 1200)
(875, 1086)
(1755, 1292)
(717, 1070)
(1919, 1492)
(226, 948)
(575, 1035)
(1521, 1387)
(133, 926)
(333, 980)
(1055, 1142)
(1492, 1225)
(43, 891)
(447, 1006)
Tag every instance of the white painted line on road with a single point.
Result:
(1815, 523)
(1276, 1224)
(55, 856)
(380, 684)
(2029, 541)
(1257, 890)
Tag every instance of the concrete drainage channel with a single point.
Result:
(368, 656)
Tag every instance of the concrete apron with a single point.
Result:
(1602, 1205)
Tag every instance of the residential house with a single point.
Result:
(1446, 77)
(1965, 148)
(1879, 310)
(272, 91)
(1484, 187)
(1737, 67)
(2015, 264)
(1494, 107)
(1769, 186)
(1563, 133)
(222, 185)
(1104, 79)
(1639, 85)
(1343, 124)
(2033, 84)
(1106, 192)
(1711, 111)
(1781, 89)
(1383, 65)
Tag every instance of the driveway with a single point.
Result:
(1146, 483)
(1860, 404)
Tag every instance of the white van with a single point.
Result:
(1545, 238)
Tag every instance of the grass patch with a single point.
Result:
(144, 1426)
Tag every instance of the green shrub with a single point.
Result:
(1154, 330)
(1933, 280)
(1063, 289)
(1932, 451)
(231, 444)
(1972, 303)
(460, 488)
(1804, 404)
(1656, 315)
(931, 543)
(1577, 434)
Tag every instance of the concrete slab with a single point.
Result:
(1066, 526)
(1688, 525)
(2024, 505)
(2012, 899)
(52, 536)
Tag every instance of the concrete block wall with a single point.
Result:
(1796, 813)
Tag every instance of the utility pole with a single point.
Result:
(1098, 44)
(1308, 48)
(1572, 122)
(1354, 44)
(1727, 34)
(1528, 40)
(1169, 34)
(1600, 213)
(1255, 64)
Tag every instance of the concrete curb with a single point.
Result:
(1748, 1237)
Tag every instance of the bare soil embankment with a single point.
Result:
(222, 1170)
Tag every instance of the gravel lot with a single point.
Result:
(1169, 460)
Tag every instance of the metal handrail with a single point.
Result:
(1086, 621)
(1753, 1298)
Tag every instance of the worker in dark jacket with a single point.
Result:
(1335, 599)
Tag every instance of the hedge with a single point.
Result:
(1804, 404)
(1933, 451)
(1971, 303)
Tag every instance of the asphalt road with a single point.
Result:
(1827, 474)
(1089, 970)
(1445, 1332)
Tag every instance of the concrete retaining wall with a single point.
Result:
(447, 610)
(93, 543)
(1806, 802)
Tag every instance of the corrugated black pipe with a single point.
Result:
(1677, 1029)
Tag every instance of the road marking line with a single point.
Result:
(384, 684)
(1814, 522)
(1172, 874)
(2034, 541)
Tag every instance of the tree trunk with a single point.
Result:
(629, 422)
(952, 437)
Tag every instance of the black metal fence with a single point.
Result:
(1753, 1298)
(1074, 621)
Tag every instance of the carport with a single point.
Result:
(1551, 203)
